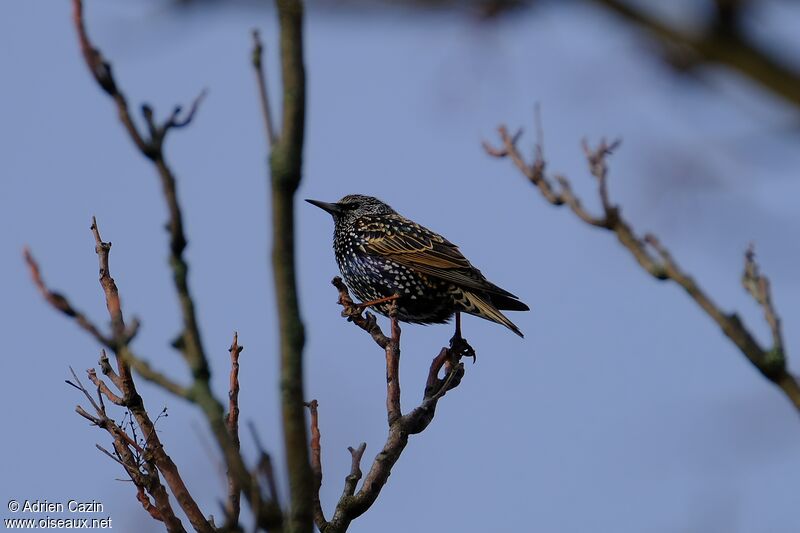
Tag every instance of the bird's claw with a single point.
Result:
(459, 347)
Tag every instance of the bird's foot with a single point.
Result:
(459, 347)
(352, 309)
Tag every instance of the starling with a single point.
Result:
(381, 254)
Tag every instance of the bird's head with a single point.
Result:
(353, 206)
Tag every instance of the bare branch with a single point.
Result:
(285, 168)
(657, 261)
(60, 303)
(103, 388)
(108, 371)
(264, 466)
(316, 464)
(109, 286)
(136, 464)
(190, 342)
(599, 169)
(353, 504)
(351, 481)
(147, 505)
(234, 488)
(177, 121)
(758, 287)
(720, 42)
(393, 409)
(102, 73)
(109, 454)
(131, 398)
(535, 173)
(256, 59)
(125, 357)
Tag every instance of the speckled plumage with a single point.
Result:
(381, 253)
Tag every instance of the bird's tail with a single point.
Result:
(479, 306)
(510, 303)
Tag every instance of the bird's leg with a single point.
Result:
(370, 303)
(459, 347)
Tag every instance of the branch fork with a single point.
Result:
(353, 503)
(655, 258)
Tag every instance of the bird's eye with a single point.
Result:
(352, 205)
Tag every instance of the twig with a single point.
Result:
(352, 479)
(393, 409)
(101, 419)
(758, 287)
(174, 121)
(103, 388)
(60, 302)
(119, 346)
(234, 488)
(110, 289)
(101, 71)
(210, 450)
(131, 398)
(263, 93)
(108, 370)
(653, 257)
(133, 463)
(316, 464)
(151, 509)
(110, 455)
(264, 465)
(391, 346)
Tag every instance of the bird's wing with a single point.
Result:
(420, 249)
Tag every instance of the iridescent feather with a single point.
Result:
(382, 253)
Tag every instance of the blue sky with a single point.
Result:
(623, 410)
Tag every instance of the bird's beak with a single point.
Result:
(333, 209)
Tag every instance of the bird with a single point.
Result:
(384, 256)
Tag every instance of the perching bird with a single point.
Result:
(381, 254)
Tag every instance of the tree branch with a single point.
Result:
(60, 303)
(131, 397)
(189, 341)
(353, 504)
(103, 388)
(257, 60)
(351, 481)
(758, 287)
(653, 257)
(234, 488)
(393, 409)
(722, 41)
(101, 71)
(285, 165)
(136, 462)
(264, 466)
(316, 463)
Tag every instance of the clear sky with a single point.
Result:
(623, 410)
